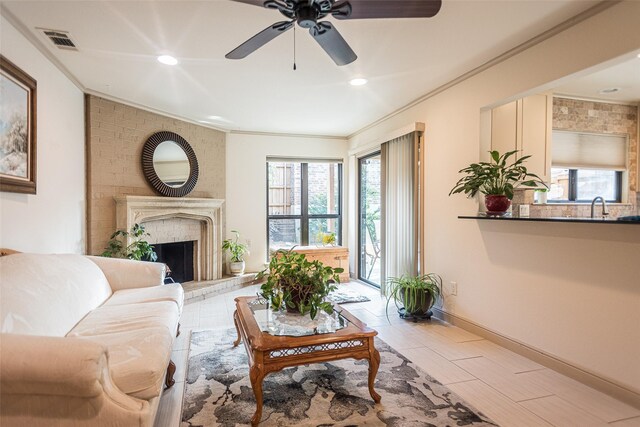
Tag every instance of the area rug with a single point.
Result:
(344, 295)
(218, 391)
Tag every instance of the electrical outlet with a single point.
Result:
(453, 286)
(248, 243)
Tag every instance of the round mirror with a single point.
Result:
(169, 164)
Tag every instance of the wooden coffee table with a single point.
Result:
(270, 353)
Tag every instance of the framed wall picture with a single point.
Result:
(17, 129)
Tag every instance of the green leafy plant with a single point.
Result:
(417, 294)
(235, 248)
(297, 284)
(138, 249)
(496, 177)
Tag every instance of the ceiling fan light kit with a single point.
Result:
(308, 13)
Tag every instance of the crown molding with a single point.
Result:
(151, 110)
(288, 135)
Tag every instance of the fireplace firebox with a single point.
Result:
(179, 258)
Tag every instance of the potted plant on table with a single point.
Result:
(139, 249)
(496, 180)
(414, 295)
(236, 251)
(297, 284)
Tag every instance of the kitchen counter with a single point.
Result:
(555, 219)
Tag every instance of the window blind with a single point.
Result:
(588, 151)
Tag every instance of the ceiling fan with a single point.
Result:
(308, 13)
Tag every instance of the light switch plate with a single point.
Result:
(524, 211)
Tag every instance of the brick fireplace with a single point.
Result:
(171, 220)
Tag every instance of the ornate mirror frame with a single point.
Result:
(150, 173)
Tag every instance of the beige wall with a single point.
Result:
(247, 182)
(117, 133)
(570, 290)
(53, 219)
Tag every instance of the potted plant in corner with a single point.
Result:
(139, 249)
(297, 284)
(414, 295)
(496, 180)
(236, 252)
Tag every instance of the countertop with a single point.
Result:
(553, 219)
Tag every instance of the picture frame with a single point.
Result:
(17, 129)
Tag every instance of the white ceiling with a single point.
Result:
(403, 58)
(625, 77)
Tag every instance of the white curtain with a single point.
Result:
(400, 207)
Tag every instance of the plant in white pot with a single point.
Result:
(496, 180)
(236, 251)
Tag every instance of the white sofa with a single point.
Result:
(85, 341)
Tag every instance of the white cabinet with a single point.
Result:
(525, 125)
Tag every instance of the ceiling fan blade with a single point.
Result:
(259, 40)
(371, 9)
(253, 2)
(332, 42)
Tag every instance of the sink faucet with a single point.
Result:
(605, 211)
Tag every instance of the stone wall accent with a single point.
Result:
(115, 135)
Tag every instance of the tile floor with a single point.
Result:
(509, 388)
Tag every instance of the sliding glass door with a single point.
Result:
(369, 248)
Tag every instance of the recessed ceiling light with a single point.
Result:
(214, 117)
(609, 90)
(358, 82)
(167, 60)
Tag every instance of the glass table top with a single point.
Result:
(281, 323)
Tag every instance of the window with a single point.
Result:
(582, 185)
(304, 199)
(585, 165)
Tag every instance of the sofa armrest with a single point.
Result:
(51, 365)
(129, 274)
(66, 369)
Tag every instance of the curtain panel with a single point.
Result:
(399, 158)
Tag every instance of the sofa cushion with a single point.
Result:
(172, 292)
(138, 359)
(110, 319)
(48, 294)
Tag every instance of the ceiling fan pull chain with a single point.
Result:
(294, 47)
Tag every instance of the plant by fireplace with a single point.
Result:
(139, 249)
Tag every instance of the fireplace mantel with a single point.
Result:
(132, 210)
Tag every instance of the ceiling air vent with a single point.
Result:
(59, 38)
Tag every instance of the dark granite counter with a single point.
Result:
(635, 220)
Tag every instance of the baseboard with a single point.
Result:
(590, 379)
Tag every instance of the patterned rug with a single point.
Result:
(344, 295)
(218, 391)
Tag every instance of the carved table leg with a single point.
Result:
(256, 376)
(168, 379)
(374, 363)
(235, 322)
